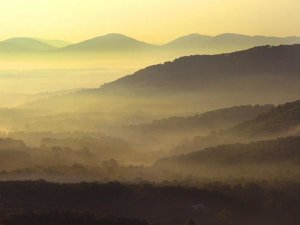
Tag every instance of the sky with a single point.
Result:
(154, 21)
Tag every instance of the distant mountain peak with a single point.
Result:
(112, 35)
(55, 43)
(232, 35)
(27, 43)
(195, 35)
(109, 42)
(116, 35)
(23, 40)
(191, 36)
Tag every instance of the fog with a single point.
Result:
(204, 139)
(70, 114)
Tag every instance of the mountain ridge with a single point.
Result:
(24, 44)
(256, 61)
(109, 42)
(266, 158)
(194, 43)
(282, 120)
(226, 42)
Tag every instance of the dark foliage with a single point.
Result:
(67, 218)
(224, 71)
(212, 120)
(33, 203)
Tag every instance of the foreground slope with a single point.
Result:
(29, 203)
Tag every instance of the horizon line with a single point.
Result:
(125, 35)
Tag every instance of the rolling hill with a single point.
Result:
(118, 43)
(216, 119)
(167, 133)
(280, 150)
(24, 44)
(260, 75)
(196, 43)
(281, 121)
(275, 158)
(114, 43)
(254, 70)
(56, 43)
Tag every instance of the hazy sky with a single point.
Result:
(155, 21)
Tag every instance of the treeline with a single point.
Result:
(40, 202)
(67, 218)
(280, 121)
(271, 159)
(216, 72)
(86, 151)
(208, 121)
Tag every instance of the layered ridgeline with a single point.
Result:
(262, 159)
(29, 45)
(208, 121)
(118, 43)
(281, 121)
(110, 43)
(195, 43)
(60, 152)
(186, 45)
(195, 84)
(167, 133)
(256, 69)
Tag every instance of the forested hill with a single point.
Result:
(283, 150)
(255, 69)
(281, 121)
(211, 120)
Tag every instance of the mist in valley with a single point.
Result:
(113, 130)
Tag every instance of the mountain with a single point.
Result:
(167, 133)
(196, 84)
(55, 43)
(278, 150)
(196, 43)
(119, 43)
(211, 120)
(24, 44)
(255, 70)
(280, 121)
(109, 43)
(192, 41)
(279, 157)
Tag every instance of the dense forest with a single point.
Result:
(91, 203)
(281, 121)
(208, 72)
